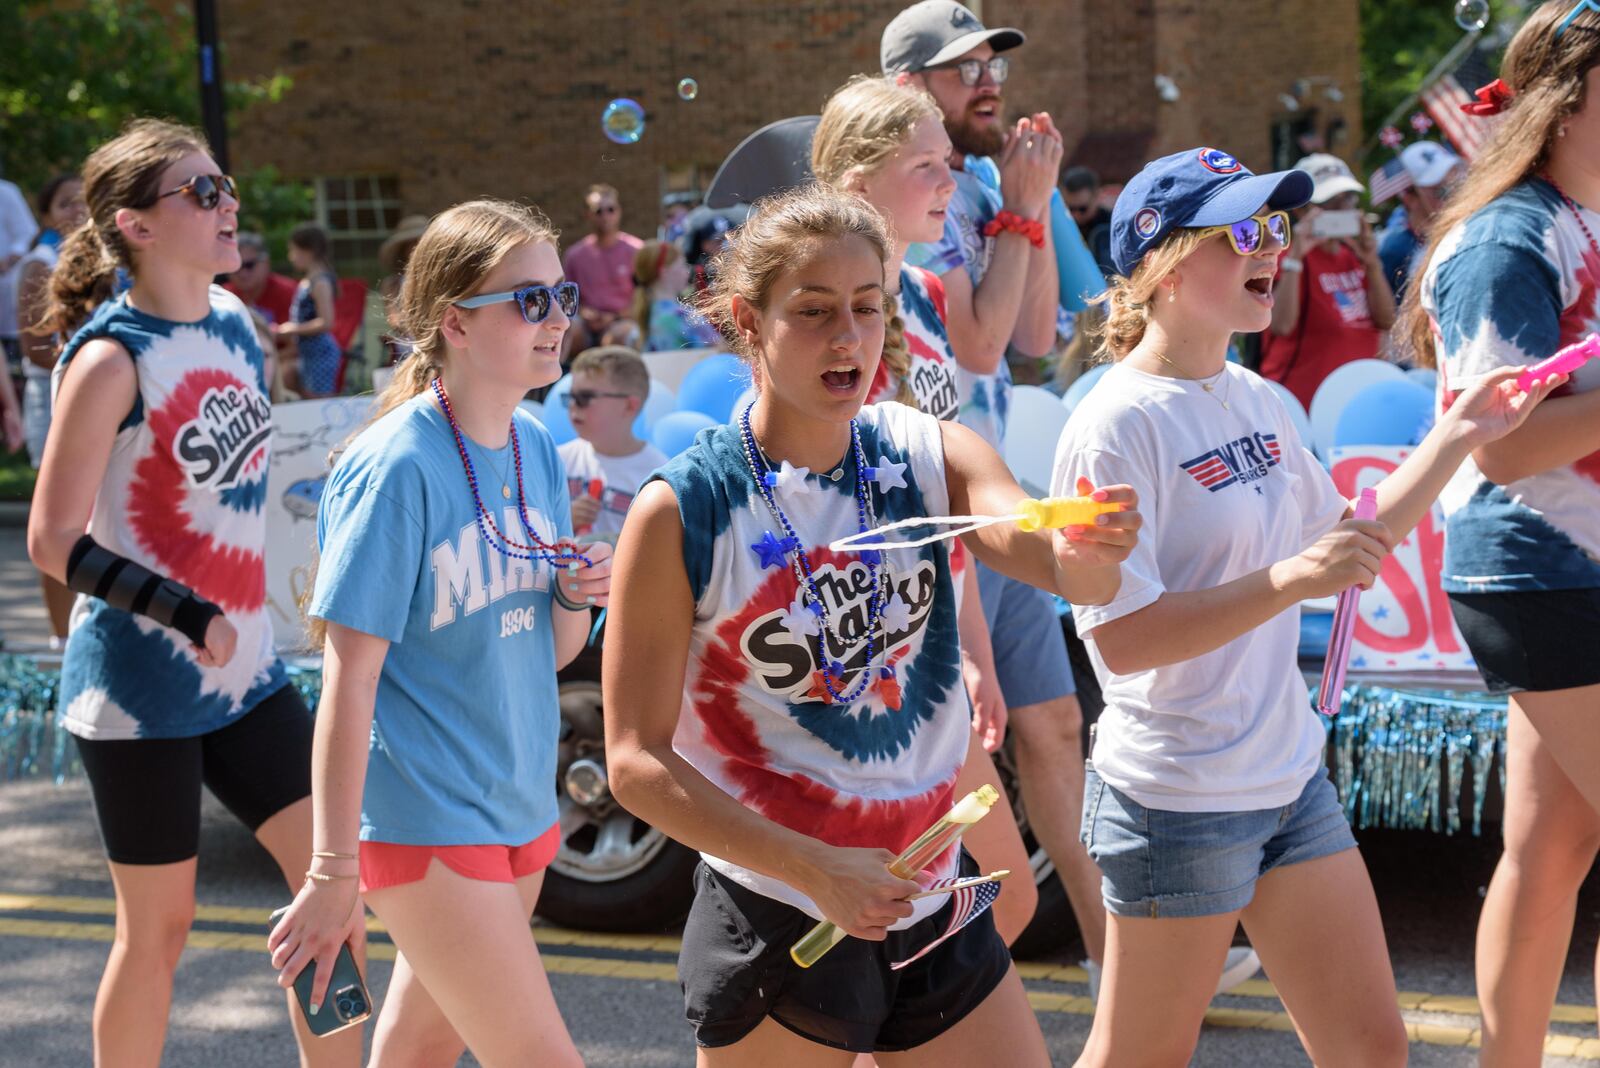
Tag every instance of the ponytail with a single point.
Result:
(896, 353)
(83, 278)
(1128, 300)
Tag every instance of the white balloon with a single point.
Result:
(747, 398)
(1033, 427)
(1338, 389)
(660, 401)
(1426, 377)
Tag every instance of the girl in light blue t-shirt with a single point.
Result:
(450, 596)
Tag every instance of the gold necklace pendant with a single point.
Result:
(505, 491)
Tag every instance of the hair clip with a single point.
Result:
(1492, 99)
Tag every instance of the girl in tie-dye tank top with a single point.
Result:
(795, 713)
(149, 506)
(1511, 277)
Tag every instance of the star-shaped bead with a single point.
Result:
(789, 478)
(819, 688)
(769, 549)
(896, 615)
(799, 620)
(888, 475)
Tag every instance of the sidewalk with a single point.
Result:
(22, 617)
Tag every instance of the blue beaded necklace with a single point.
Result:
(773, 551)
(562, 552)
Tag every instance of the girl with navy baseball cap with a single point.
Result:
(1207, 800)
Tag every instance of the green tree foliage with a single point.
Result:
(1401, 40)
(72, 75)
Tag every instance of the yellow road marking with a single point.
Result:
(1583, 1048)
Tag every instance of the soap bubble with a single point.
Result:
(688, 89)
(623, 121)
(1472, 15)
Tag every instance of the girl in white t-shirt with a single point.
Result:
(1207, 799)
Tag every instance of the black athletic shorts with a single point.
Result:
(147, 790)
(1533, 640)
(735, 971)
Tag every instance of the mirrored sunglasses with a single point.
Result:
(534, 301)
(207, 190)
(1248, 235)
(971, 70)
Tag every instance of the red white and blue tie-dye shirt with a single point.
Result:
(1511, 285)
(932, 374)
(857, 774)
(182, 494)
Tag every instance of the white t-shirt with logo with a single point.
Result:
(612, 480)
(1223, 492)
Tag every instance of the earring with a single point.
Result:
(1172, 295)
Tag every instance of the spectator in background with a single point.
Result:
(62, 210)
(17, 231)
(1431, 169)
(311, 321)
(1331, 303)
(605, 463)
(660, 276)
(675, 210)
(1080, 191)
(262, 289)
(602, 265)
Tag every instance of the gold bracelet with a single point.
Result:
(332, 855)
(323, 877)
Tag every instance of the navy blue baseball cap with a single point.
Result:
(1191, 189)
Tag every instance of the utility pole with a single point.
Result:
(213, 110)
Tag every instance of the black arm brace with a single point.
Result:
(121, 583)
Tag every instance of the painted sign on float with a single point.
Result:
(1405, 622)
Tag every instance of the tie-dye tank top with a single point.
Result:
(182, 495)
(850, 774)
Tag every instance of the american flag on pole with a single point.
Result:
(1388, 180)
(967, 904)
(1443, 98)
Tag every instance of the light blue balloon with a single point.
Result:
(1426, 377)
(673, 433)
(1082, 385)
(554, 417)
(1386, 413)
(713, 385)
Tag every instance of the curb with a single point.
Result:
(13, 513)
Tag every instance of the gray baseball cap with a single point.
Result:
(936, 31)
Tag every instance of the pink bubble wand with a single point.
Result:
(1564, 362)
(1331, 693)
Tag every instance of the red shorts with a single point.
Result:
(386, 864)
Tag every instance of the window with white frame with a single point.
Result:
(359, 213)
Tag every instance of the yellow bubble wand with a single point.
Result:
(1049, 513)
(916, 856)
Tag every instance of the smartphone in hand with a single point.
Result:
(1337, 224)
(346, 1003)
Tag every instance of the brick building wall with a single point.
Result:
(490, 96)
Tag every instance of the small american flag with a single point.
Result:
(1388, 181)
(967, 904)
(1391, 137)
(1443, 99)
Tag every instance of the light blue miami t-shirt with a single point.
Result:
(985, 399)
(463, 748)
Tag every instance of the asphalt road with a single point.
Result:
(618, 994)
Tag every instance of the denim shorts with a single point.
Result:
(1030, 651)
(1159, 863)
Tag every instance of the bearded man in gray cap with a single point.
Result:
(999, 276)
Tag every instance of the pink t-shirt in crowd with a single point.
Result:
(604, 273)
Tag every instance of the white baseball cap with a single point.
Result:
(1330, 176)
(1428, 163)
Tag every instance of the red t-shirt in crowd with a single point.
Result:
(1335, 324)
(276, 299)
(604, 273)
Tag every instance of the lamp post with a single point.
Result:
(213, 110)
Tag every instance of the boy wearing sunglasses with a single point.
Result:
(1332, 298)
(605, 463)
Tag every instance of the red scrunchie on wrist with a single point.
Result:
(1032, 229)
